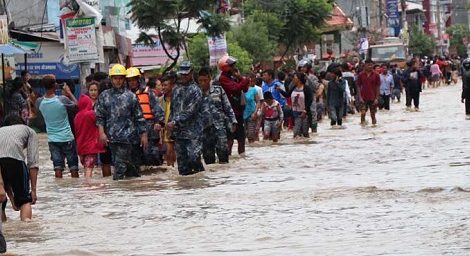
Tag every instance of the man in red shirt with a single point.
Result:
(368, 85)
(234, 85)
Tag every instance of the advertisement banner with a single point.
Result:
(80, 40)
(217, 48)
(48, 59)
(151, 55)
(393, 14)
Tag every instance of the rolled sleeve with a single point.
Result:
(33, 150)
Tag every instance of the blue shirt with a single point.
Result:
(386, 84)
(55, 115)
(250, 99)
(271, 87)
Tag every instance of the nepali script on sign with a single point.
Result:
(217, 48)
(81, 40)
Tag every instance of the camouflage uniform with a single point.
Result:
(215, 136)
(187, 105)
(119, 112)
(312, 82)
(152, 155)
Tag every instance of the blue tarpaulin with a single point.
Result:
(8, 49)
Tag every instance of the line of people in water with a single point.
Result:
(195, 117)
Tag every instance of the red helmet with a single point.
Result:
(226, 62)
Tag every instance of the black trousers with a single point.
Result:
(384, 102)
(413, 96)
(467, 106)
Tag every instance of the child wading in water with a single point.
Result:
(272, 115)
(87, 134)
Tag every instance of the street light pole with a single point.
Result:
(439, 32)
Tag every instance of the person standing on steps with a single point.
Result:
(59, 133)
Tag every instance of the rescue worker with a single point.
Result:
(121, 123)
(186, 122)
(466, 86)
(215, 136)
(305, 67)
(234, 84)
(153, 115)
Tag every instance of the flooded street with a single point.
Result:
(402, 188)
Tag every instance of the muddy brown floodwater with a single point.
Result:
(399, 189)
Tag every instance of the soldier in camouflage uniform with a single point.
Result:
(121, 124)
(187, 122)
(313, 83)
(215, 135)
(153, 115)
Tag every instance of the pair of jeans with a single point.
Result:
(336, 114)
(61, 151)
(300, 124)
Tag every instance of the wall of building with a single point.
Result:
(25, 13)
(460, 15)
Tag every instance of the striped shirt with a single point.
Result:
(14, 139)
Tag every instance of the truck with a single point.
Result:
(390, 50)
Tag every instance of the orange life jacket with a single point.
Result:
(144, 100)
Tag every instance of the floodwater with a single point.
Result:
(402, 188)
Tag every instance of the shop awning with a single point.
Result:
(8, 49)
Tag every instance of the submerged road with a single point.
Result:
(402, 188)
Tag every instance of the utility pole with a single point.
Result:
(439, 32)
(380, 15)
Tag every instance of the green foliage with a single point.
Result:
(199, 51)
(270, 20)
(457, 34)
(300, 20)
(254, 38)
(165, 17)
(244, 59)
(420, 43)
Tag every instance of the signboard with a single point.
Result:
(4, 38)
(80, 40)
(48, 59)
(147, 55)
(217, 48)
(393, 16)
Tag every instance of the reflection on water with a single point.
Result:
(399, 188)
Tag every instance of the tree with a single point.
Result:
(301, 19)
(420, 43)
(198, 51)
(254, 38)
(457, 33)
(166, 17)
